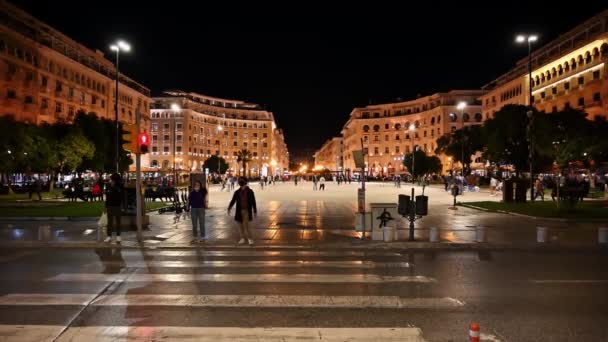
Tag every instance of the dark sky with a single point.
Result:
(307, 62)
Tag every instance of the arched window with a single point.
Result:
(478, 117)
(587, 57)
(432, 121)
(573, 64)
(438, 118)
(453, 117)
(604, 49)
(553, 72)
(580, 60)
(548, 75)
(397, 126)
(154, 163)
(465, 117)
(560, 70)
(407, 125)
(542, 78)
(376, 128)
(566, 66)
(366, 128)
(537, 80)
(417, 123)
(596, 53)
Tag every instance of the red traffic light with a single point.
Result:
(143, 142)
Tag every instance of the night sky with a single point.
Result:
(309, 63)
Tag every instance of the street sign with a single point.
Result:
(358, 157)
(361, 200)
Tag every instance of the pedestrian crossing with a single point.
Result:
(220, 295)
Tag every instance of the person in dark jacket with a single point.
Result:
(246, 208)
(198, 203)
(114, 199)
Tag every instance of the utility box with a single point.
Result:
(405, 205)
(422, 205)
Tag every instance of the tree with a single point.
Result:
(568, 144)
(102, 133)
(212, 164)
(244, 156)
(423, 164)
(16, 144)
(466, 141)
(506, 140)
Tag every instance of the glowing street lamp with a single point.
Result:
(120, 45)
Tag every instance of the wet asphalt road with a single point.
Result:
(63, 294)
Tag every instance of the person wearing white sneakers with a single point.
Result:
(114, 198)
(246, 209)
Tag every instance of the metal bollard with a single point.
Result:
(480, 234)
(541, 234)
(602, 235)
(434, 234)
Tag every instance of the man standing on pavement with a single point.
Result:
(114, 199)
(246, 209)
(322, 183)
(198, 203)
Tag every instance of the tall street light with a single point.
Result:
(120, 45)
(219, 148)
(412, 128)
(529, 38)
(176, 109)
(461, 106)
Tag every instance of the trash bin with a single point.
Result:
(388, 234)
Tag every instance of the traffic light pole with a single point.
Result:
(139, 203)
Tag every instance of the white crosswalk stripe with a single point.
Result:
(258, 264)
(394, 302)
(20, 333)
(224, 277)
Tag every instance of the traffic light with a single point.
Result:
(144, 142)
(129, 136)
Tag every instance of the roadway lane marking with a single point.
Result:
(256, 264)
(46, 299)
(231, 334)
(231, 277)
(24, 333)
(254, 252)
(570, 281)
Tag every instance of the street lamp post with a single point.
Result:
(119, 46)
(412, 128)
(530, 38)
(219, 148)
(176, 108)
(461, 106)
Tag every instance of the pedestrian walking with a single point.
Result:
(114, 200)
(197, 202)
(322, 183)
(262, 183)
(35, 187)
(540, 191)
(246, 209)
(314, 183)
(398, 182)
(295, 180)
(493, 184)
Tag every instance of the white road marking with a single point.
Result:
(27, 333)
(46, 299)
(231, 334)
(570, 281)
(254, 252)
(488, 338)
(256, 264)
(224, 277)
(273, 301)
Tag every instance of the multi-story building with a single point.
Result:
(187, 128)
(46, 76)
(329, 156)
(391, 130)
(570, 71)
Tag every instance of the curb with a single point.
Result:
(58, 218)
(386, 247)
(554, 219)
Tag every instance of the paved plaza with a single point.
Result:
(289, 214)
